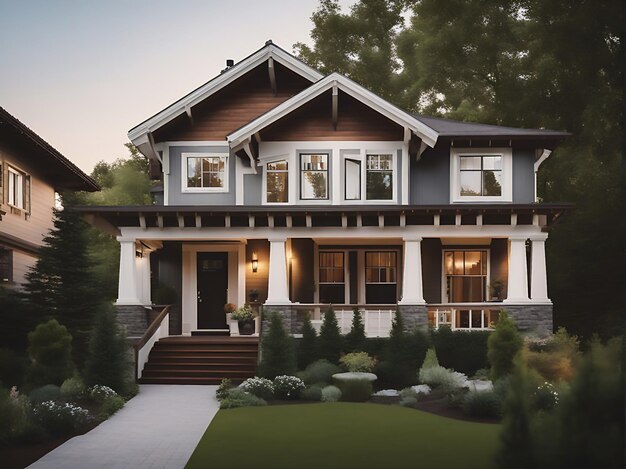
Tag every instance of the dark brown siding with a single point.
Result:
(302, 270)
(234, 106)
(499, 263)
(257, 280)
(431, 269)
(313, 121)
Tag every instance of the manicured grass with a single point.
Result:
(343, 435)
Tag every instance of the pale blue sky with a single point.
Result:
(82, 73)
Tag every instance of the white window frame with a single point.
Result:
(185, 167)
(394, 176)
(290, 181)
(444, 291)
(507, 174)
(16, 177)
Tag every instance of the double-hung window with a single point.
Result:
(314, 176)
(332, 277)
(379, 177)
(206, 173)
(277, 181)
(381, 277)
(16, 188)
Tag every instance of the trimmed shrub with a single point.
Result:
(408, 392)
(482, 404)
(312, 393)
(259, 387)
(14, 412)
(554, 359)
(358, 362)
(49, 392)
(546, 397)
(355, 339)
(288, 388)
(223, 389)
(440, 377)
(307, 351)
(100, 393)
(60, 418)
(408, 401)
(331, 394)
(73, 388)
(109, 406)
(330, 341)
(277, 356)
(50, 349)
(430, 360)
(502, 346)
(461, 350)
(239, 398)
(12, 368)
(356, 390)
(320, 371)
(108, 362)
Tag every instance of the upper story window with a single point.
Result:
(313, 176)
(16, 188)
(205, 172)
(481, 175)
(352, 183)
(379, 177)
(277, 182)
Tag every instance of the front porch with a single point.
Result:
(443, 266)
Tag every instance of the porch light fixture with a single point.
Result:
(255, 262)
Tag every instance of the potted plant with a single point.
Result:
(245, 318)
(254, 295)
(496, 289)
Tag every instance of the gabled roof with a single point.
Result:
(402, 118)
(223, 79)
(60, 171)
(453, 128)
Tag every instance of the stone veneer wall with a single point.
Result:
(134, 319)
(414, 317)
(531, 319)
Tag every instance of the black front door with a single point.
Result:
(212, 287)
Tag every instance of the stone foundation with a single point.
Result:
(285, 312)
(531, 319)
(134, 319)
(414, 317)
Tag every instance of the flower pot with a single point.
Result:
(246, 327)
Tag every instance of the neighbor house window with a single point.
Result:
(277, 182)
(207, 173)
(16, 188)
(379, 178)
(313, 176)
(352, 172)
(381, 277)
(6, 265)
(332, 278)
(480, 176)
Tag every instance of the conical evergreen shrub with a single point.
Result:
(277, 355)
(355, 339)
(307, 352)
(330, 341)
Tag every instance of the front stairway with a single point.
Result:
(201, 360)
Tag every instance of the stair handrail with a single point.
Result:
(160, 327)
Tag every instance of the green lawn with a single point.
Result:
(342, 435)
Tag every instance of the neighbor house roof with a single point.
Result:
(60, 171)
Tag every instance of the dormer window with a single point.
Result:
(205, 172)
(277, 182)
(481, 175)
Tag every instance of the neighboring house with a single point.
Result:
(313, 191)
(31, 174)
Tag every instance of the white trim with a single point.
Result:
(219, 82)
(19, 180)
(507, 174)
(444, 293)
(427, 134)
(184, 156)
(544, 156)
(290, 178)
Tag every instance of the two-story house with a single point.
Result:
(31, 174)
(311, 190)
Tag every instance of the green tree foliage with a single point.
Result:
(50, 351)
(330, 341)
(537, 63)
(17, 317)
(307, 349)
(62, 283)
(502, 346)
(277, 354)
(108, 361)
(355, 339)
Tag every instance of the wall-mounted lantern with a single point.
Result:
(255, 262)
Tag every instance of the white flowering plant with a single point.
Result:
(61, 417)
(100, 393)
(260, 387)
(288, 387)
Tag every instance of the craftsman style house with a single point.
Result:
(31, 173)
(298, 190)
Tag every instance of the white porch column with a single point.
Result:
(518, 271)
(127, 286)
(538, 274)
(278, 287)
(412, 284)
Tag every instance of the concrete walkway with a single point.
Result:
(158, 428)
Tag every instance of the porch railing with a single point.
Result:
(464, 316)
(159, 328)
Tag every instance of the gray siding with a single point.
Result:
(252, 187)
(429, 182)
(523, 176)
(175, 194)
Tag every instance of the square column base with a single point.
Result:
(414, 317)
(531, 318)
